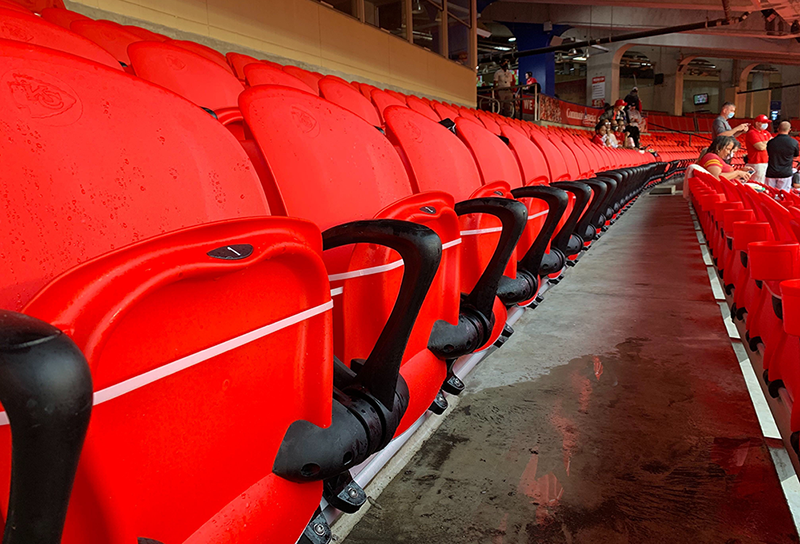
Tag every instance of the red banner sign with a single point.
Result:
(557, 111)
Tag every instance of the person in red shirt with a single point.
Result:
(756, 143)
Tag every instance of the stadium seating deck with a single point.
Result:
(231, 284)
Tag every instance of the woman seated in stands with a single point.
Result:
(600, 133)
(624, 136)
(611, 130)
(715, 157)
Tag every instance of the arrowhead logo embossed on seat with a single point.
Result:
(428, 209)
(42, 95)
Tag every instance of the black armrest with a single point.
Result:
(564, 240)
(46, 390)
(513, 215)
(557, 201)
(586, 227)
(603, 213)
(421, 250)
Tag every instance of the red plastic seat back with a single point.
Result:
(131, 183)
(13, 6)
(110, 36)
(145, 34)
(444, 111)
(436, 159)
(340, 92)
(61, 17)
(420, 106)
(555, 161)
(238, 61)
(495, 161)
(383, 100)
(328, 165)
(204, 51)
(399, 96)
(193, 77)
(530, 159)
(567, 156)
(37, 6)
(33, 30)
(258, 73)
(309, 78)
(487, 121)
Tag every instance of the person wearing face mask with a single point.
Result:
(503, 81)
(600, 134)
(782, 150)
(756, 141)
(721, 127)
(715, 157)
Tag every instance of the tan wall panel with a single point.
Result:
(303, 32)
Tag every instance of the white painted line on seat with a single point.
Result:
(481, 231)
(451, 243)
(189, 361)
(337, 291)
(366, 271)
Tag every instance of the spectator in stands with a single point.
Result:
(715, 157)
(756, 142)
(611, 135)
(782, 150)
(721, 127)
(632, 100)
(530, 80)
(600, 134)
(503, 81)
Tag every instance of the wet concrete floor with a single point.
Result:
(616, 413)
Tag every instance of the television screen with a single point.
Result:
(700, 99)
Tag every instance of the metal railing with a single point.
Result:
(489, 96)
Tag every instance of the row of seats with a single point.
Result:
(229, 282)
(753, 235)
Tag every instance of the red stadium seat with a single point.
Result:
(61, 17)
(314, 147)
(204, 51)
(195, 78)
(437, 161)
(37, 6)
(420, 106)
(238, 62)
(258, 73)
(145, 34)
(142, 234)
(36, 31)
(340, 92)
(112, 37)
(309, 78)
(383, 100)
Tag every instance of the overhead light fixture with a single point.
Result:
(512, 39)
(572, 52)
(600, 47)
(580, 58)
(416, 7)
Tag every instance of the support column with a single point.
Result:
(790, 96)
(606, 65)
(532, 36)
(667, 63)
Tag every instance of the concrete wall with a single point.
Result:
(304, 32)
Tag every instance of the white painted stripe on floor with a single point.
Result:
(733, 332)
(716, 288)
(789, 481)
(152, 376)
(706, 255)
(769, 428)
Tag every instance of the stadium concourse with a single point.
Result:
(280, 273)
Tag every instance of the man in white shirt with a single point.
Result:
(503, 81)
